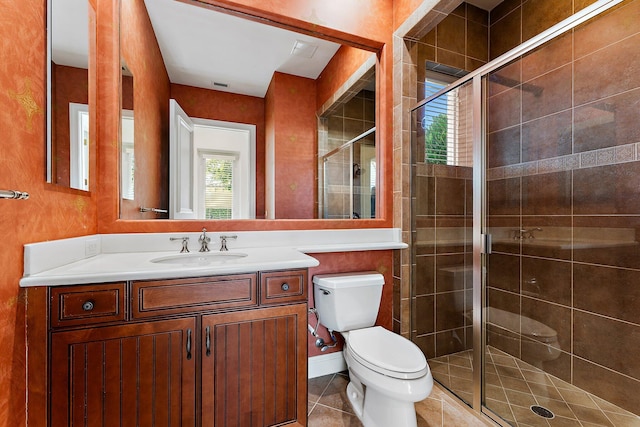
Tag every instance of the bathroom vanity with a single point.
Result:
(206, 351)
(124, 330)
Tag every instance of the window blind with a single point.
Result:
(447, 126)
(218, 197)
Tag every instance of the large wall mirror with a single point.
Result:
(71, 37)
(229, 118)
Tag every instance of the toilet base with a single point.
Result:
(374, 409)
(356, 398)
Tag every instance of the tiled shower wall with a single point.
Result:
(458, 39)
(594, 185)
(563, 157)
(509, 24)
(515, 21)
(345, 123)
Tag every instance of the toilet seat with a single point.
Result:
(387, 353)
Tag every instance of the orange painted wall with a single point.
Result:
(402, 9)
(229, 107)
(151, 90)
(362, 22)
(54, 213)
(290, 111)
(50, 212)
(344, 63)
(68, 84)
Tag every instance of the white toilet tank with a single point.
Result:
(348, 301)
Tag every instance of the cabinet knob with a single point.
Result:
(88, 305)
(285, 287)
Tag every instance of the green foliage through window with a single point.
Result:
(435, 141)
(218, 188)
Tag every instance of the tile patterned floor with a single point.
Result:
(329, 407)
(513, 386)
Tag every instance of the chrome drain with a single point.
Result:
(543, 412)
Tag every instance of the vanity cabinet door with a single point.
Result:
(129, 375)
(254, 367)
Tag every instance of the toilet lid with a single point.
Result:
(387, 353)
(521, 324)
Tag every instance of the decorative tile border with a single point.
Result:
(588, 159)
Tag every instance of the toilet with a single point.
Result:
(539, 342)
(388, 373)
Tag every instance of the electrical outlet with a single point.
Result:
(91, 247)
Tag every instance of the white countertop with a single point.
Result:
(118, 257)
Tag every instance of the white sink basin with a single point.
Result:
(201, 258)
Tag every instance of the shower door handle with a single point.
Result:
(486, 244)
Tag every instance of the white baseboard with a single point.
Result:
(326, 364)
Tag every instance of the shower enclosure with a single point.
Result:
(526, 223)
(349, 179)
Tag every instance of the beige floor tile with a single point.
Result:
(429, 413)
(564, 422)
(591, 415)
(524, 415)
(456, 416)
(316, 386)
(335, 395)
(620, 420)
(323, 416)
(558, 407)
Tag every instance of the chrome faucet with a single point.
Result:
(223, 242)
(204, 241)
(185, 241)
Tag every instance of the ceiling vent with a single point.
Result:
(304, 49)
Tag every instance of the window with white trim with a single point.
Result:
(447, 123)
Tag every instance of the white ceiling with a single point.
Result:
(70, 32)
(201, 46)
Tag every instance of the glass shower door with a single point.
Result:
(562, 209)
(443, 213)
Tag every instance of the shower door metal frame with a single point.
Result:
(481, 241)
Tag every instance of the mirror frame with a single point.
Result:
(92, 102)
(108, 109)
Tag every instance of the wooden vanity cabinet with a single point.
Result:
(254, 370)
(141, 374)
(208, 351)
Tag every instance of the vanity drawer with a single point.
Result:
(278, 287)
(163, 297)
(87, 304)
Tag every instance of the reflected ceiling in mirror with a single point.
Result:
(213, 50)
(68, 151)
(224, 68)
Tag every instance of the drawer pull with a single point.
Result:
(208, 341)
(285, 287)
(188, 344)
(88, 305)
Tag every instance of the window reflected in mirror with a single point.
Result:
(71, 37)
(128, 163)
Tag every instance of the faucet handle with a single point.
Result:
(185, 242)
(223, 241)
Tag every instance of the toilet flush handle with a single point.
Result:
(325, 292)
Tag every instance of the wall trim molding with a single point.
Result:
(326, 364)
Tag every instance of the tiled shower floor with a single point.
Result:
(513, 386)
